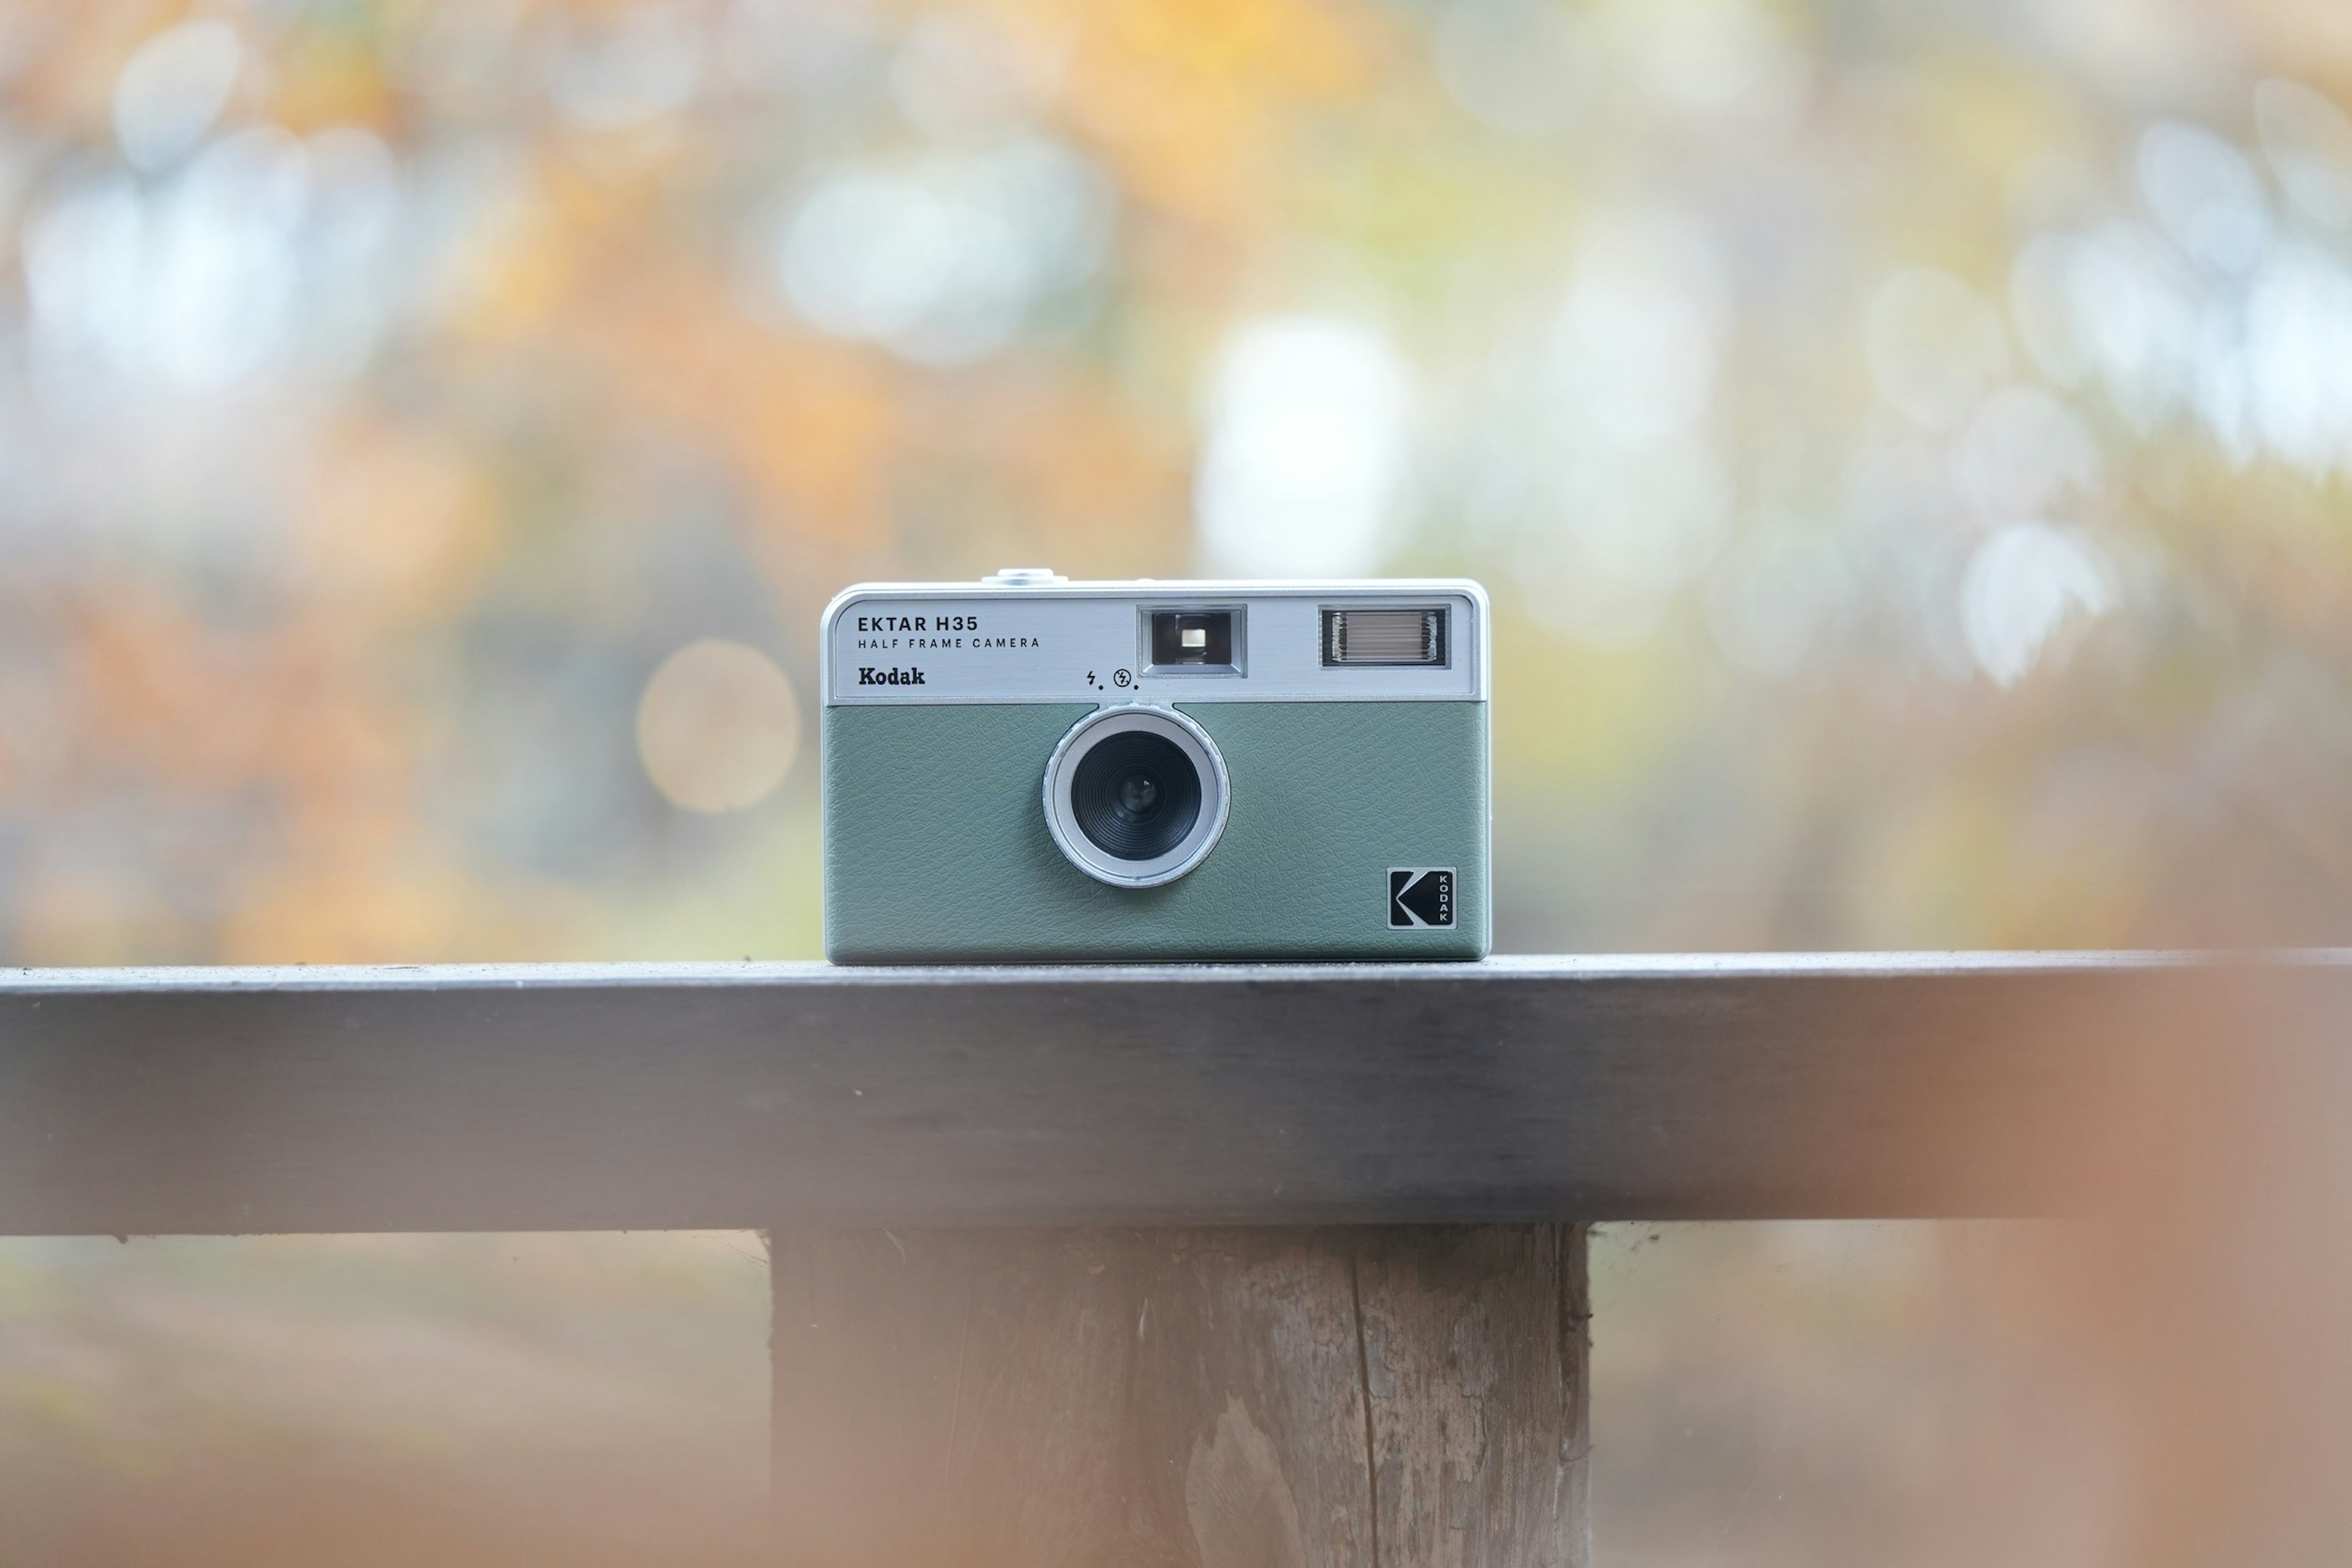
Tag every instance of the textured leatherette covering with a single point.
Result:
(936, 848)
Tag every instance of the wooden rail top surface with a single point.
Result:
(575, 1096)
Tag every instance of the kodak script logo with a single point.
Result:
(869, 676)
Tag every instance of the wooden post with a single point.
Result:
(1355, 1397)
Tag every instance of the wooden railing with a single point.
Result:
(1252, 1264)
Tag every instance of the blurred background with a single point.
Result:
(1906, 440)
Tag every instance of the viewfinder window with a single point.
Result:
(1200, 640)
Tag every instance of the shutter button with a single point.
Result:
(1023, 577)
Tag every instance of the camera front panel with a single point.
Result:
(1347, 826)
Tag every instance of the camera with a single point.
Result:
(1026, 768)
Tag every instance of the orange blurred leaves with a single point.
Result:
(395, 522)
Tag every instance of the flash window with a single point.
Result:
(1384, 637)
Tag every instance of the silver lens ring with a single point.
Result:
(1130, 728)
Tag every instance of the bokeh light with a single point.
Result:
(719, 726)
(1305, 451)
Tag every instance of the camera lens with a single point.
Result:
(1136, 795)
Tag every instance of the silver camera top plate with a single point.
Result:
(1034, 639)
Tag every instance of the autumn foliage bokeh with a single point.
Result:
(1906, 443)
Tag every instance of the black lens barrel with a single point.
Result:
(1136, 795)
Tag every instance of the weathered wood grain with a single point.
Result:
(1345, 1398)
(1476, 1344)
(1519, 1090)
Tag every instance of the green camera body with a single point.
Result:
(1027, 769)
